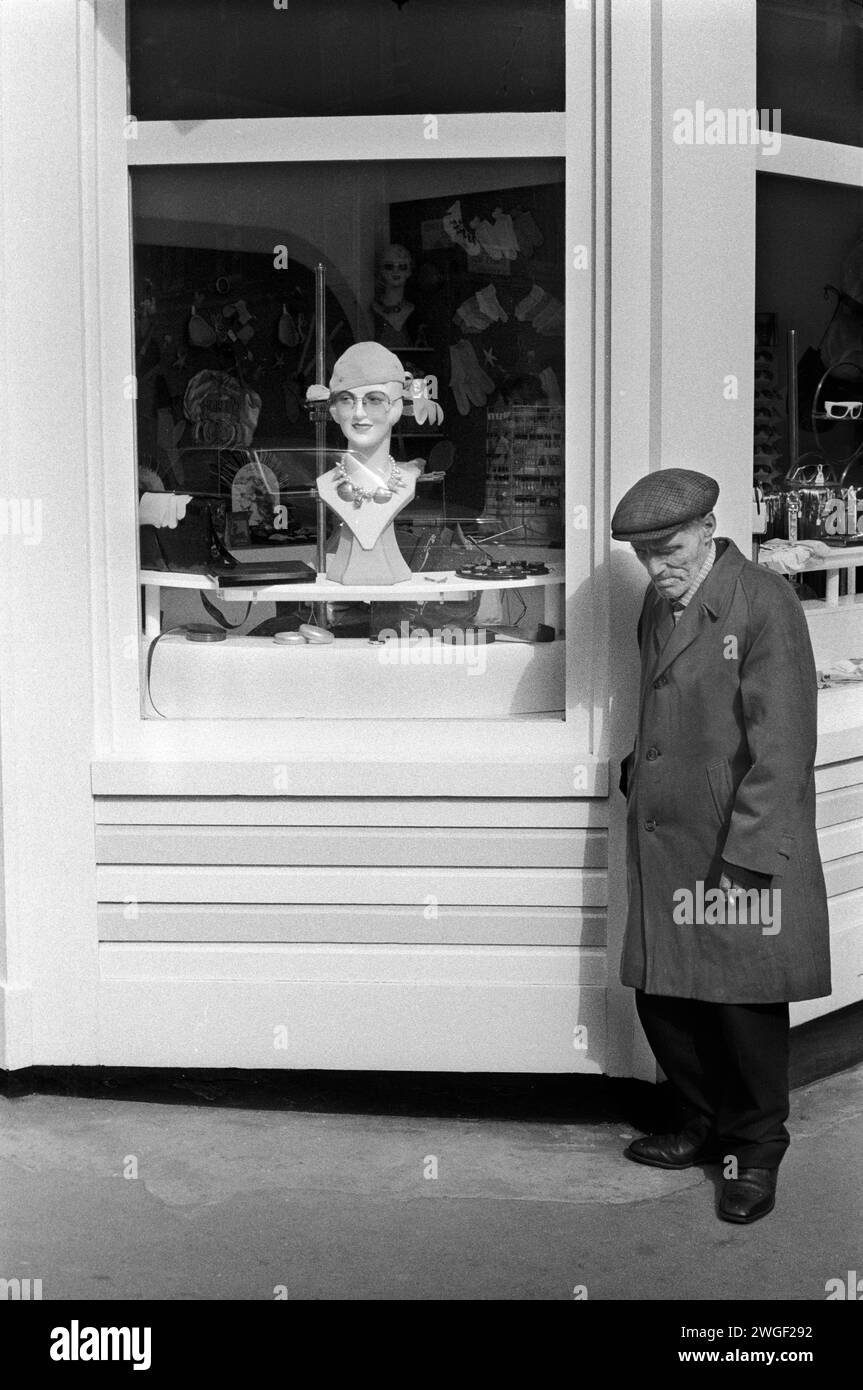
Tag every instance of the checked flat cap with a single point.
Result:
(661, 503)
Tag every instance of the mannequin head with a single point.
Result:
(367, 414)
(366, 396)
(394, 269)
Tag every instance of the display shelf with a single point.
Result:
(428, 587)
(848, 559)
(839, 559)
(423, 585)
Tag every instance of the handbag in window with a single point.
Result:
(186, 539)
(189, 539)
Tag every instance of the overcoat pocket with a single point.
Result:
(625, 771)
(721, 787)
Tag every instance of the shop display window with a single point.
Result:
(808, 425)
(250, 283)
(200, 60)
(810, 67)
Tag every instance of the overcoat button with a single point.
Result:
(652, 754)
(650, 825)
(660, 682)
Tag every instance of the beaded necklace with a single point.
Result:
(350, 491)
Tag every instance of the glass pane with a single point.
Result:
(202, 59)
(808, 431)
(810, 67)
(455, 269)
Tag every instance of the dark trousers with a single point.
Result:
(729, 1065)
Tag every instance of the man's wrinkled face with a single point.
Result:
(674, 562)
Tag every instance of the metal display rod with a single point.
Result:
(793, 418)
(320, 417)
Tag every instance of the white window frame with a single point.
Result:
(534, 757)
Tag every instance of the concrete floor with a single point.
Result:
(231, 1203)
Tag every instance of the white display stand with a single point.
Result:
(255, 678)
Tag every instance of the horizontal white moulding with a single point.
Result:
(462, 135)
(470, 965)
(306, 846)
(346, 924)
(419, 887)
(441, 813)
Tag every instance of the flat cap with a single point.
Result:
(661, 503)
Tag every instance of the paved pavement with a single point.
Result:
(119, 1198)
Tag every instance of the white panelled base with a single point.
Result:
(342, 1025)
(353, 934)
(839, 811)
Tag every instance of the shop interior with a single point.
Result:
(808, 416)
(250, 283)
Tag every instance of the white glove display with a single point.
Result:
(468, 382)
(479, 311)
(496, 238)
(162, 509)
(454, 226)
(543, 311)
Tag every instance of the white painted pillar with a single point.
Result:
(47, 900)
(682, 297)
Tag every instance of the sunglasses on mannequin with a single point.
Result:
(376, 404)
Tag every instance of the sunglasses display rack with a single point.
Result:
(524, 468)
(767, 451)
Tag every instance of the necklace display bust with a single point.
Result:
(366, 550)
(367, 490)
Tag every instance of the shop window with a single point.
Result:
(808, 435)
(810, 67)
(456, 267)
(200, 60)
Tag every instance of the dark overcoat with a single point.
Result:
(722, 773)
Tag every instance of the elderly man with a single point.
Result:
(727, 913)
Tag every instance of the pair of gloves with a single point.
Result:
(422, 395)
(162, 509)
(480, 311)
(527, 233)
(497, 239)
(542, 311)
(457, 231)
(502, 239)
(469, 384)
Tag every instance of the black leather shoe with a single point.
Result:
(749, 1196)
(673, 1150)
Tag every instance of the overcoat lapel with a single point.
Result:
(712, 598)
